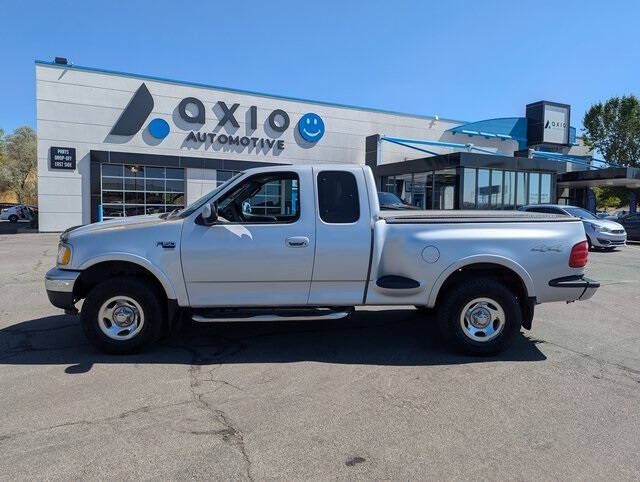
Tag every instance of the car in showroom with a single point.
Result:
(601, 233)
(631, 223)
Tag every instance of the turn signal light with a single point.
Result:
(579, 254)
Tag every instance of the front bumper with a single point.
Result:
(605, 240)
(578, 287)
(59, 284)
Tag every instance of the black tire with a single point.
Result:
(139, 290)
(13, 218)
(590, 247)
(463, 293)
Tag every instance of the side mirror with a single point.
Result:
(209, 214)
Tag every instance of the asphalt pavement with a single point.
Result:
(374, 397)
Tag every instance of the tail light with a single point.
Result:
(579, 254)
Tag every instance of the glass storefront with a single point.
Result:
(481, 188)
(129, 190)
(427, 190)
(501, 189)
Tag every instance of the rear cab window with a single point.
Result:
(338, 201)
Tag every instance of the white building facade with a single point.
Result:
(115, 144)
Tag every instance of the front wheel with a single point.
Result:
(480, 317)
(122, 315)
(13, 218)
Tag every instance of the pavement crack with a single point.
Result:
(628, 371)
(127, 413)
(230, 433)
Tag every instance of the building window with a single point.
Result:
(496, 189)
(521, 189)
(469, 189)
(509, 190)
(404, 187)
(418, 194)
(444, 189)
(545, 188)
(130, 190)
(534, 188)
(484, 188)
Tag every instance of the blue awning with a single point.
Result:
(504, 128)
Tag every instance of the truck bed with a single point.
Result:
(470, 216)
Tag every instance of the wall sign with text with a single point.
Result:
(63, 158)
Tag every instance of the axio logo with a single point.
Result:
(135, 114)
(311, 127)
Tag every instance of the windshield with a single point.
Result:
(194, 206)
(388, 198)
(580, 213)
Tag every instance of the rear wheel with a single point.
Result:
(122, 315)
(13, 218)
(479, 317)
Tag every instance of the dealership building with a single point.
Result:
(114, 144)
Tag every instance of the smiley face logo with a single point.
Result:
(311, 127)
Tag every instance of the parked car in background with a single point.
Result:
(601, 233)
(617, 215)
(390, 202)
(631, 224)
(17, 212)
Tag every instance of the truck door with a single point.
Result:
(261, 250)
(343, 237)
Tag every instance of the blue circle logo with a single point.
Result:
(311, 127)
(159, 128)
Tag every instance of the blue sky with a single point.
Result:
(466, 60)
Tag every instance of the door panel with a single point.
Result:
(251, 264)
(342, 251)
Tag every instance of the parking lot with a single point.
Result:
(374, 397)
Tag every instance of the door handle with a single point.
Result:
(297, 242)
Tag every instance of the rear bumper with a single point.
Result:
(577, 287)
(59, 285)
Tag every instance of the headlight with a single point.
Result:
(64, 254)
(602, 229)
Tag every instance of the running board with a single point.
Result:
(296, 316)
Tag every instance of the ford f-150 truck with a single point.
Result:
(310, 242)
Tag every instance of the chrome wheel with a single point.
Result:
(482, 319)
(121, 318)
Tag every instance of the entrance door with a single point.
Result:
(261, 250)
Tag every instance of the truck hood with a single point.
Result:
(113, 224)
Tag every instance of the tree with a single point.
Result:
(18, 165)
(613, 129)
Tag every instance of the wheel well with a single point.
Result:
(509, 278)
(110, 269)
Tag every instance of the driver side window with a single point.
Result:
(268, 198)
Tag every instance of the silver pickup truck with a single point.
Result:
(310, 242)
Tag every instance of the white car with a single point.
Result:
(15, 213)
(601, 233)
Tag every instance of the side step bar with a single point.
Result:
(297, 315)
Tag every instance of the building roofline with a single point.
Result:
(240, 91)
